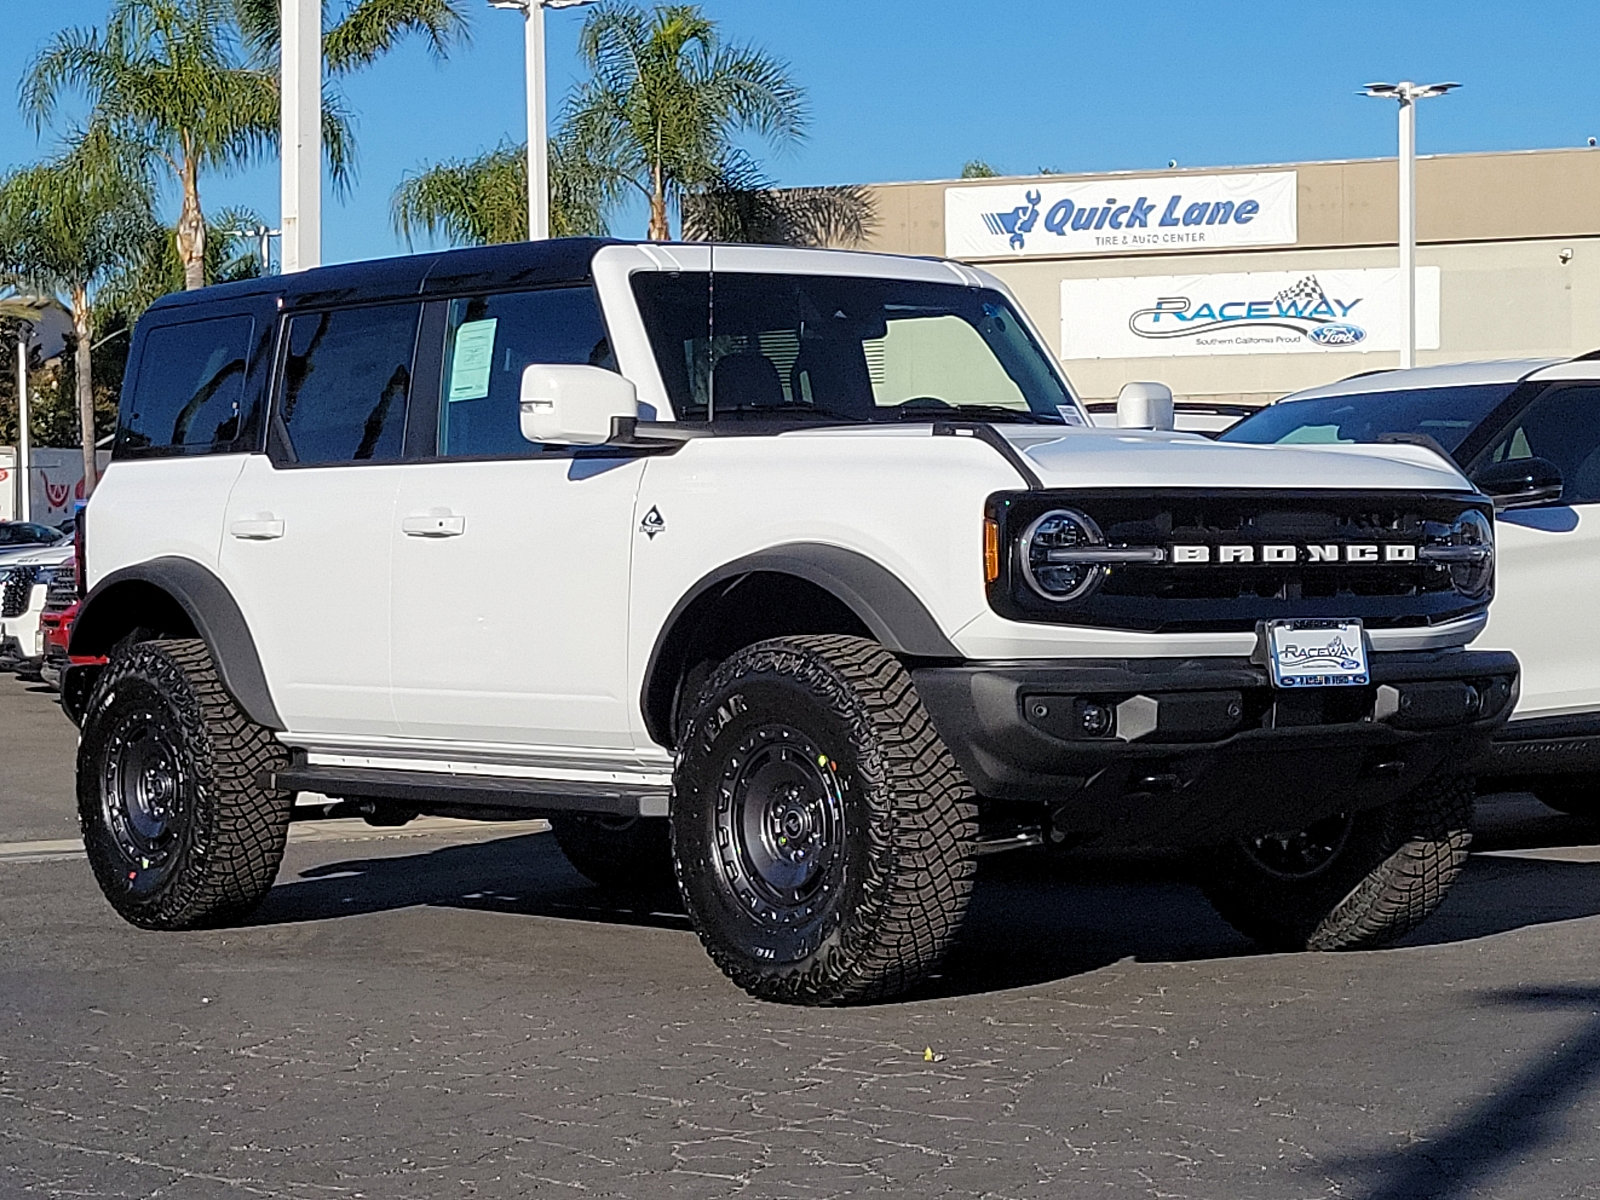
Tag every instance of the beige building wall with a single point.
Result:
(1496, 226)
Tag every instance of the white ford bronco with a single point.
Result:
(798, 574)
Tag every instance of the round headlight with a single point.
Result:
(1473, 576)
(1047, 559)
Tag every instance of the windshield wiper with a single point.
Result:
(757, 412)
(997, 413)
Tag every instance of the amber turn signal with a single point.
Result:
(991, 551)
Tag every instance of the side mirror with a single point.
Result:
(1145, 406)
(574, 405)
(1519, 482)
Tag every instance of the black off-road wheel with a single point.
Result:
(620, 854)
(180, 829)
(1576, 795)
(1349, 882)
(823, 837)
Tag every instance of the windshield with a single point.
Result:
(741, 346)
(1444, 414)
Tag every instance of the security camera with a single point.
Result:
(1592, 142)
(1172, 162)
(1566, 254)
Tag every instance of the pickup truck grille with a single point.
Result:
(18, 585)
(1211, 594)
(63, 591)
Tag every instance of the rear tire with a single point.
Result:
(1350, 882)
(823, 836)
(1576, 795)
(179, 825)
(620, 854)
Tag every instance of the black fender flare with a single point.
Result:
(210, 608)
(882, 602)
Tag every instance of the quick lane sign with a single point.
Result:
(1252, 312)
(1120, 215)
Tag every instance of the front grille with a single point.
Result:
(19, 583)
(1213, 597)
(63, 590)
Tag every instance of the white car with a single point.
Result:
(1188, 416)
(1530, 430)
(812, 553)
(24, 582)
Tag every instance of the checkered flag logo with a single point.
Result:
(1305, 295)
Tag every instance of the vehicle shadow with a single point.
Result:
(1518, 1124)
(1035, 918)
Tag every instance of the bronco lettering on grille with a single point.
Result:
(1279, 553)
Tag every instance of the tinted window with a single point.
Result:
(1446, 415)
(490, 340)
(843, 348)
(1562, 425)
(23, 533)
(190, 386)
(346, 382)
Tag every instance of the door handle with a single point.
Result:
(262, 529)
(434, 526)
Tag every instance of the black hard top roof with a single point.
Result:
(513, 265)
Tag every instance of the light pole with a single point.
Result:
(24, 450)
(300, 133)
(1408, 93)
(538, 125)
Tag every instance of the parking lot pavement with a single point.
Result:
(455, 1013)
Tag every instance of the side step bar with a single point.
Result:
(444, 794)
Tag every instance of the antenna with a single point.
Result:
(711, 332)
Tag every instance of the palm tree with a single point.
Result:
(65, 228)
(743, 205)
(196, 81)
(665, 102)
(481, 201)
(367, 30)
(167, 75)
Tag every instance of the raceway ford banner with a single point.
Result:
(1119, 215)
(1253, 312)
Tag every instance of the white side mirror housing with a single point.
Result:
(574, 405)
(1145, 406)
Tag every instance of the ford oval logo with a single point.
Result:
(1336, 333)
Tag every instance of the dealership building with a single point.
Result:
(1238, 285)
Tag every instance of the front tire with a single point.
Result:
(1351, 882)
(179, 825)
(823, 837)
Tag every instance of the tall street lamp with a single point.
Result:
(300, 135)
(1408, 93)
(538, 125)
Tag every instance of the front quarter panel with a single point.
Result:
(910, 502)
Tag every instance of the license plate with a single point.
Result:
(1317, 653)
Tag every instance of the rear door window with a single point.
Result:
(346, 383)
(190, 388)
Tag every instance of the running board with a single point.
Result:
(435, 792)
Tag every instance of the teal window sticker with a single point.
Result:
(473, 360)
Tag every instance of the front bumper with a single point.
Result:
(1199, 751)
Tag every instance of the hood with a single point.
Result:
(39, 556)
(1136, 458)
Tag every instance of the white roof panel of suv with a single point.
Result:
(1502, 370)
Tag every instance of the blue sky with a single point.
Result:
(910, 89)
